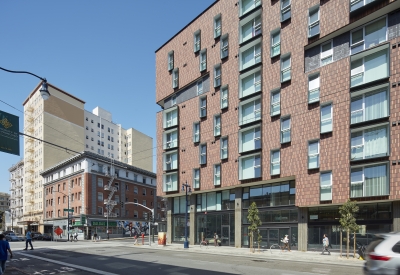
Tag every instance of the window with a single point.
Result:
(313, 21)
(203, 153)
(217, 174)
(285, 130)
(200, 87)
(175, 78)
(99, 183)
(135, 190)
(326, 118)
(285, 10)
(170, 63)
(170, 139)
(276, 43)
(135, 214)
(224, 147)
(224, 97)
(250, 167)
(370, 143)
(170, 182)
(196, 132)
(99, 196)
(217, 75)
(275, 102)
(248, 5)
(217, 26)
(326, 186)
(171, 161)
(356, 4)
(313, 88)
(144, 203)
(203, 60)
(197, 39)
(224, 46)
(313, 154)
(326, 53)
(250, 27)
(196, 178)
(368, 36)
(203, 107)
(144, 191)
(275, 162)
(369, 104)
(173, 100)
(144, 180)
(250, 110)
(250, 139)
(250, 55)
(217, 125)
(369, 181)
(100, 210)
(369, 66)
(170, 117)
(250, 83)
(285, 68)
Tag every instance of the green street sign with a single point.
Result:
(104, 223)
(68, 210)
(9, 133)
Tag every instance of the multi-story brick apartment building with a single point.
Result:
(289, 104)
(16, 210)
(91, 182)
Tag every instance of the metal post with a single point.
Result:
(186, 244)
(108, 212)
(68, 220)
(12, 221)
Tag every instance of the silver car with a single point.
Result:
(383, 255)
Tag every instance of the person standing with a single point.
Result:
(325, 245)
(215, 239)
(4, 247)
(28, 240)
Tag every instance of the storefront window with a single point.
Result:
(276, 194)
(178, 229)
(286, 215)
(222, 224)
(216, 201)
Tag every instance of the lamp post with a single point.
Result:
(67, 213)
(187, 189)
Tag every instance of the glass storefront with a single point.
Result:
(221, 223)
(178, 228)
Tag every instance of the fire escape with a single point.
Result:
(109, 202)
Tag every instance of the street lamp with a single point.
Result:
(43, 90)
(187, 189)
(67, 212)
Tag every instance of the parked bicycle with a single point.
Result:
(275, 246)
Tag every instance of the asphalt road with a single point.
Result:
(121, 258)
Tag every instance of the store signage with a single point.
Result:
(313, 217)
(9, 133)
(103, 223)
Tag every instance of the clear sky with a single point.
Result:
(100, 51)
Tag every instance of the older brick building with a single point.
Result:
(290, 104)
(89, 183)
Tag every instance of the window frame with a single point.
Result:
(196, 42)
(283, 119)
(326, 54)
(203, 155)
(196, 134)
(329, 119)
(217, 125)
(256, 75)
(274, 33)
(196, 180)
(311, 155)
(253, 49)
(285, 9)
(362, 42)
(203, 60)
(217, 174)
(316, 89)
(175, 78)
(217, 27)
(224, 47)
(275, 103)
(286, 69)
(224, 97)
(217, 77)
(167, 159)
(311, 11)
(258, 111)
(255, 166)
(165, 117)
(250, 27)
(224, 148)
(325, 186)
(170, 60)
(203, 108)
(257, 138)
(363, 167)
(199, 86)
(256, 3)
(174, 185)
(273, 163)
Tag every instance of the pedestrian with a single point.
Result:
(285, 242)
(4, 247)
(95, 237)
(76, 236)
(215, 239)
(325, 245)
(135, 237)
(28, 240)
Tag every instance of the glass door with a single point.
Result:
(273, 237)
(225, 235)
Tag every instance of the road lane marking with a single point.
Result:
(67, 264)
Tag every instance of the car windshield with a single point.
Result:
(11, 234)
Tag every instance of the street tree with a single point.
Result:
(254, 221)
(347, 220)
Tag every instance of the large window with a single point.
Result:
(170, 139)
(276, 194)
(217, 125)
(203, 107)
(326, 53)
(370, 143)
(285, 10)
(170, 60)
(217, 26)
(369, 35)
(248, 5)
(224, 46)
(203, 60)
(276, 43)
(212, 201)
(369, 181)
(369, 104)
(250, 167)
(180, 205)
(326, 118)
(313, 88)
(217, 75)
(217, 174)
(250, 111)
(250, 27)
(313, 21)
(326, 186)
(276, 162)
(196, 178)
(170, 161)
(170, 182)
(224, 147)
(285, 130)
(250, 83)
(313, 154)
(197, 39)
(275, 102)
(369, 66)
(356, 4)
(224, 97)
(250, 139)
(203, 153)
(196, 132)
(286, 68)
(170, 117)
(250, 55)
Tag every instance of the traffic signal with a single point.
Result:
(145, 215)
(122, 204)
(150, 217)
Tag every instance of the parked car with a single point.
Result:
(36, 235)
(21, 237)
(7, 232)
(12, 237)
(383, 255)
(46, 237)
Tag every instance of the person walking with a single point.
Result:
(215, 239)
(325, 245)
(4, 247)
(76, 236)
(28, 240)
(285, 242)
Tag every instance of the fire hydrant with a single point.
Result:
(142, 238)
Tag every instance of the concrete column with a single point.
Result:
(238, 217)
(303, 228)
(169, 220)
(396, 216)
(192, 219)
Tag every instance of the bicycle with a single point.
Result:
(203, 243)
(275, 246)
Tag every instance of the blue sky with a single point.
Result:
(100, 51)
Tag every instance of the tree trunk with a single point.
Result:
(341, 242)
(348, 243)
(251, 240)
(354, 245)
